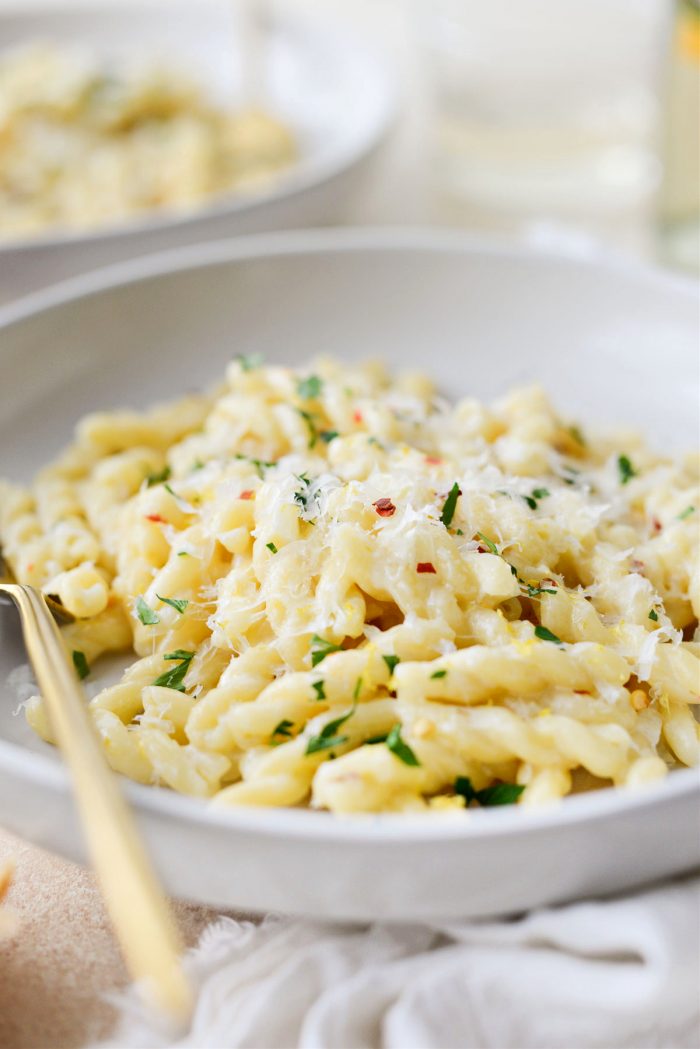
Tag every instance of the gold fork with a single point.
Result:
(139, 911)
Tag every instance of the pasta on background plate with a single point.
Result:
(86, 144)
(344, 591)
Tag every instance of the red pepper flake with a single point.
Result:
(424, 567)
(157, 518)
(384, 507)
(548, 582)
(637, 566)
(357, 416)
(248, 494)
(656, 524)
(30, 568)
(433, 460)
(482, 549)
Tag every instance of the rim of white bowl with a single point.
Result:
(336, 240)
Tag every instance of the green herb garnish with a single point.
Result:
(328, 435)
(625, 469)
(399, 748)
(271, 547)
(653, 614)
(174, 677)
(320, 648)
(577, 435)
(282, 729)
(497, 794)
(438, 674)
(147, 616)
(250, 361)
(448, 510)
(158, 478)
(309, 420)
(686, 513)
(535, 591)
(327, 737)
(535, 496)
(310, 387)
(488, 542)
(391, 662)
(178, 603)
(319, 689)
(546, 635)
(80, 663)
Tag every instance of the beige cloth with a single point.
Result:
(62, 960)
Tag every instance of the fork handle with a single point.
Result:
(139, 911)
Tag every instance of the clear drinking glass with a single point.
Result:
(546, 113)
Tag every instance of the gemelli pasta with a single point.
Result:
(82, 144)
(342, 591)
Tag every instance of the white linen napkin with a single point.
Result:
(614, 973)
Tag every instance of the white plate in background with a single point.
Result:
(333, 90)
(614, 345)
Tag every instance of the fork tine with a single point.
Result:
(60, 614)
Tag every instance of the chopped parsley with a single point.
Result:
(497, 794)
(259, 464)
(175, 676)
(271, 547)
(196, 465)
(304, 497)
(546, 635)
(535, 496)
(358, 689)
(625, 469)
(182, 553)
(572, 472)
(158, 478)
(686, 513)
(282, 729)
(320, 648)
(178, 603)
(250, 361)
(309, 420)
(80, 663)
(327, 737)
(381, 738)
(147, 616)
(399, 748)
(535, 591)
(653, 614)
(438, 674)
(310, 387)
(575, 432)
(319, 689)
(488, 543)
(391, 662)
(448, 510)
(328, 435)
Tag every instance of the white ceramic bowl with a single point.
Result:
(330, 87)
(612, 344)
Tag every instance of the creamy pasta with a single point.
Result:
(82, 144)
(344, 591)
